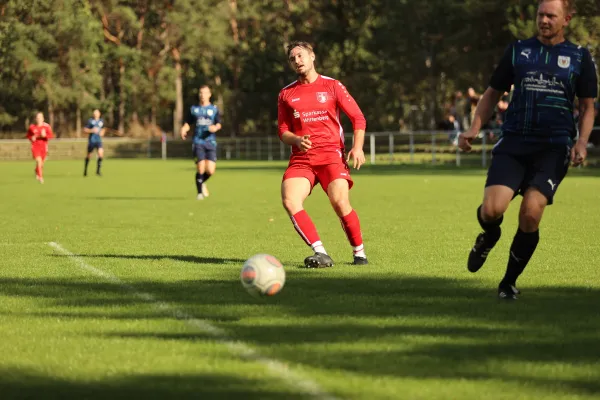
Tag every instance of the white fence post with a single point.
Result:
(391, 142)
(372, 148)
(411, 145)
(163, 146)
(433, 148)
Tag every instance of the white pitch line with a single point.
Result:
(241, 349)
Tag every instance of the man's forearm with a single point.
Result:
(586, 124)
(289, 138)
(485, 108)
(359, 138)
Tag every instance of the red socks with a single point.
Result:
(351, 226)
(305, 227)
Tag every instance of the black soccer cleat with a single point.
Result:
(481, 249)
(508, 292)
(318, 260)
(360, 260)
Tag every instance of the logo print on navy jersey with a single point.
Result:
(564, 61)
(209, 112)
(321, 97)
(526, 53)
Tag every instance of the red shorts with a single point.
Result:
(323, 174)
(39, 149)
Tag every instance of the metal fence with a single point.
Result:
(419, 147)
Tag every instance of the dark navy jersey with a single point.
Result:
(200, 118)
(546, 80)
(95, 135)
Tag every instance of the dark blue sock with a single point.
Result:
(521, 250)
(199, 182)
(491, 228)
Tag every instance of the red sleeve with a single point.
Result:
(349, 106)
(30, 133)
(284, 120)
(50, 133)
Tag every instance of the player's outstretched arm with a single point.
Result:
(483, 113)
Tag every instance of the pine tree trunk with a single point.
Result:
(178, 115)
(78, 121)
(121, 96)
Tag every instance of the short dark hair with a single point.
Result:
(568, 5)
(204, 86)
(297, 43)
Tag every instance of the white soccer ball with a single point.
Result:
(263, 275)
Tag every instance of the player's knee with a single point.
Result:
(291, 205)
(492, 210)
(341, 206)
(530, 218)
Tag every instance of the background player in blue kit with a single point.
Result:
(536, 146)
(206, 121)
(95, 127)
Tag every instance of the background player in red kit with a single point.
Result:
(39, 134)
(309, 121)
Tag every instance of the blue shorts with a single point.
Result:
(94, 145)
(205, 151)
(520, 166)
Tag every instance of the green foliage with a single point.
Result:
(400, 59)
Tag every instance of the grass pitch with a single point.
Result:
(414, 324)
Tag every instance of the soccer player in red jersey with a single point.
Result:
(39, 134)
(309, 121)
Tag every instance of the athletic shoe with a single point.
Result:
(480, 251)
(318, 260)
(360, 260)
(205, 190)
(200, 196)
(507, 292)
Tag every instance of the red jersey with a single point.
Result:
(314, 109)
(35, 131)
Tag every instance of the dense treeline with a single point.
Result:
(141, 61)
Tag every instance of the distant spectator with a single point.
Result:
(460, 110)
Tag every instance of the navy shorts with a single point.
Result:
(205, 151)
(520, 166)
(94, 145)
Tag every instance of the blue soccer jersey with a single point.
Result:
(546, 80)
(200, 118)
(95, 136)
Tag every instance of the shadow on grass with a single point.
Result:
(136, 198)
(395, 169)
(399, 327)
(190, 259)
(19, 384)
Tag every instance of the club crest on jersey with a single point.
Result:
(564, 61)
(322, 97)
(209, 112)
